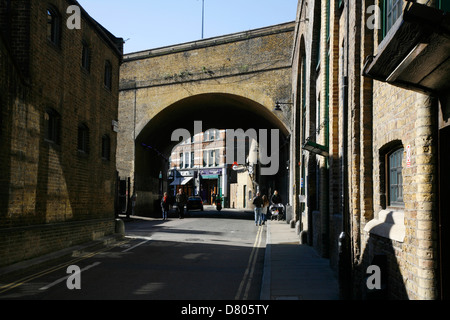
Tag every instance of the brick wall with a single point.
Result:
(53, 190)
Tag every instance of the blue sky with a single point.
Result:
(149, 24)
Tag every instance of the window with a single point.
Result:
(52, 122)
(211, 158)
(108, 75)
(83, 138)
(181, 160)
(216, 159)
(53, 26)
(192, 159)
(391, 12)
(86, 57)
(106, 147)
(186, 160)
(395, 178)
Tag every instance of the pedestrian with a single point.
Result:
(276, 198)
(165, 203)
(257, 202)
(181, 201)
(264, 209)
(133, 202)
(276, 202)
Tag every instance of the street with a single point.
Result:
(205, 256)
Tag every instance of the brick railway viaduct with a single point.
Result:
(227, 82)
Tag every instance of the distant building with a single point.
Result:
(58, 104)
(199, 166)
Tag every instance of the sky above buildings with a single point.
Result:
(149, 24)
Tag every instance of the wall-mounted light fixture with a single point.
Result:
(278, 107)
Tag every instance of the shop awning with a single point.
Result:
(181, 181)
(210, 176)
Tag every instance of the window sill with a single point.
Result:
(390, 224)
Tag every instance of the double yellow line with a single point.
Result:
(29, 278)
(248, 275)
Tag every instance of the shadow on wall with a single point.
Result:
(385, 238)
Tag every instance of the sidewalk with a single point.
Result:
(293, 271)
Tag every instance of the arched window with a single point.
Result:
(395, 177)
(106, 147)
(108, 75)
(53, 25)
(86, 57)
(391, 175)
(52, 123)
(83, 138)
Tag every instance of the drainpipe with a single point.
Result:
(345, 266)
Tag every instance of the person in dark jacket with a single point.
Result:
(276, 198)
(181, 200)
(258, 203)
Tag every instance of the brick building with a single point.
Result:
(371, 139)
(58, 99)
(198, 165)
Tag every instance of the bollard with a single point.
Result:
(120, 227)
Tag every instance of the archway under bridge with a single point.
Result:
(227, 82)
(153, 145)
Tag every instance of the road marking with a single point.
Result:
(248, 275)
(135, 246)
(26, 279)
(66, 277)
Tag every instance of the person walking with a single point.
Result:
(165, 203)
(181, 201)
(257, 202)
(276, 202)
(265, 205)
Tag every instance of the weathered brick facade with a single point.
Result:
(350, 189)
(55, 190)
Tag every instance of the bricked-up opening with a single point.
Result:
(153, 144)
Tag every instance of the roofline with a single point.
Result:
(209, 42)
(114, 42)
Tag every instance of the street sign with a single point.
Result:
(408, 156)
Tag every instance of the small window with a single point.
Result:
(52, 122)
(192, 159)
(53, 26)
(83, 138)
(181, 161)
(391, 12)
(86, 57)
(395, 178)
(108, 75)
(106, 147)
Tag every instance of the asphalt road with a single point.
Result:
(206, 256)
